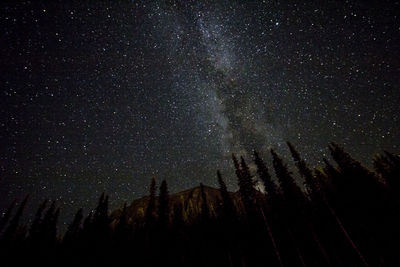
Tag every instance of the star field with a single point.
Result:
(102, 96)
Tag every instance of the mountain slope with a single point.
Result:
(190, 199)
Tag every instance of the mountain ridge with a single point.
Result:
(190, 199)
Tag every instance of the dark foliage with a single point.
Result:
(227, 209)
(151, 205)
(346, 216)
(163, 205)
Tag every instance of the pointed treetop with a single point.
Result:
(7, 215)
(235, 162)
(263, 173)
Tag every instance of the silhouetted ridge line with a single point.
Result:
(347, 216)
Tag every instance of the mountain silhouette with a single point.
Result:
(190, 199)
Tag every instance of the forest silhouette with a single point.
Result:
(347, 215)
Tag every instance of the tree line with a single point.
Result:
(347, 215)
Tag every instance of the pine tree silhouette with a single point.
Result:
(361, 204)
(11, 231)
(304, 171)
(263, 173)
(6, 216)
(350, 219)
(100, 215)
(98, 230)
(48, 227)
(35, 230)
(238, 171)
(388, 166)
(228, 210)
(348, 165)
(151, 206)
(53, 228)
(314, 193)
(288, 185)
(74, 228)
(330, 170)
(246, 186)
(122, 232)
(87, 222)
(163, 205)
(294, 210)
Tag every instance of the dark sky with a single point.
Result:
(102, 95)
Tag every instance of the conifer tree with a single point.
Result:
(53, 225)
(358, 185)
(333, 180)
(6, 216)
(48, 226)
(163, 205)
(121, 229)
(101, 213)
(99, 230)
(228, 208)
(325, 204)
(290, 189)
(388, 166)
(35, 230)
(329, 169)
(304, 171)
(11, 231)
(151, 206)
(246, 185)
(87, 222)
(347, 164)
(263, 173)
(247, 181)
(101, 219)
(238, 171)
(74, 228)
(87, 229)
(313, 192)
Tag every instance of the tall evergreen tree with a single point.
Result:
(314, 193)
(74, 228)
(228, 207)
(329, 169)
(48, 226)
(263, 173)
(246, 185)
(101, 213)
(99, 230)
(304, 171)
(11, 230)
(6, 216)
(301, 232)
(151, 205)
(361, 202)
(347, 164)
(388, 166)
(290, 189)
(87, 222)
(122, 228)
(238, 171)
(53, 226)
(35, 230)
(163, 205)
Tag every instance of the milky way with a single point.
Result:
(102, 96)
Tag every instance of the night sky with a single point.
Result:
(103, 95)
